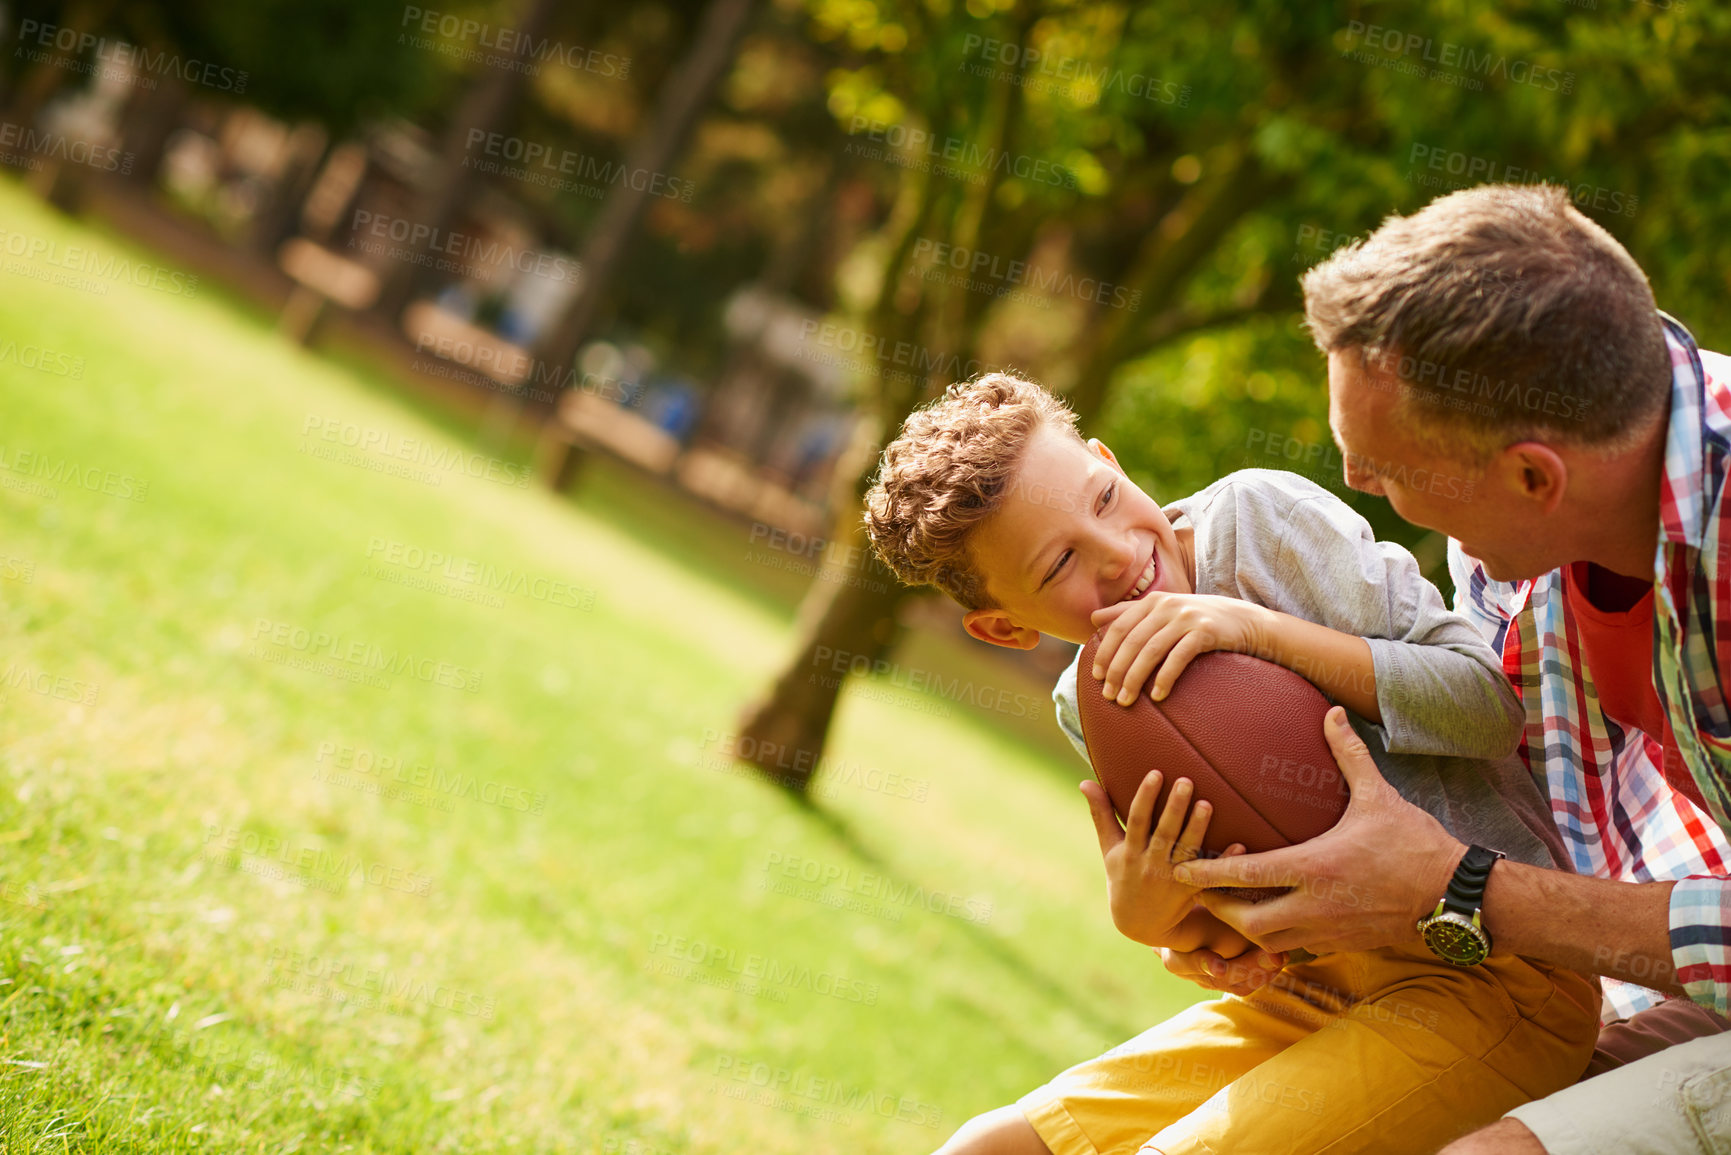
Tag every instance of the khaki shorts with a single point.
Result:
(1675, 1102)
(1383, 1051)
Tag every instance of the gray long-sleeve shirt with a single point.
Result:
(1450, 719)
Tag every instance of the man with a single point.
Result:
(1499, 370)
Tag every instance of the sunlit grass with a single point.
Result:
(220, 927)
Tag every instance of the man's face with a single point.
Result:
(1072, 536)
(1428, 488)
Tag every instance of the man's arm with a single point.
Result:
(1593, 925)
(1346, 897)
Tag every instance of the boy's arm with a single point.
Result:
(1353, 615)
(1340, 665)
(1202, 930)
(1439, 684)
(1166, 631)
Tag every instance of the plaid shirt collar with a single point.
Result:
(1683, 496)
(1618, 816)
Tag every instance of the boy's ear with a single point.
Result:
(1098, 448)
(1000, 629)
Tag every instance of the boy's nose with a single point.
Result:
(1117, 557)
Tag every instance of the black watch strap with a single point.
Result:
(1466, 892)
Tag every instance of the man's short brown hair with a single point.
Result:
(948, 471)
(1506, 314)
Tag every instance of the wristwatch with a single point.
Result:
(1455, 931)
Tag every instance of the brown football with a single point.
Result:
(1248, 735)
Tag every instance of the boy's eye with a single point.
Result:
(1107, 495)
(1057, 567)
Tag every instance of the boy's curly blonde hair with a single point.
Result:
(947, 472)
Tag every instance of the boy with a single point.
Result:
(991, 495)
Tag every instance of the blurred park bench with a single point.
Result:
(321, 277)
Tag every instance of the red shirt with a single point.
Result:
(1618, 646)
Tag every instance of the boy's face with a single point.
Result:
(1073, 535)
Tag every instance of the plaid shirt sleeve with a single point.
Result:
(1694, 579)
(1700, 938)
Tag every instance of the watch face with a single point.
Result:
(1455, 940)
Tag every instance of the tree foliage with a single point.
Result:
(1209, 152)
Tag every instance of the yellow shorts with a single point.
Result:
(1380, 1051)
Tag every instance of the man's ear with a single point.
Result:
(1098, 448)
(1534, 471)
(1000, 629)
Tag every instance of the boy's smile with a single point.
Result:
(1073, 535)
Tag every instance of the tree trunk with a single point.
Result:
(485, 107)
(849, 612)
(849, 617)
(278, 218)
(683, 96)
(784, 733)
(847, 622)
(150, 117)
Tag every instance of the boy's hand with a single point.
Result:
(1147, 902)
(1213, 955)
(1345, 896)
(1167, 631)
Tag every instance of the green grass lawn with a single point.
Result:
(309, 842)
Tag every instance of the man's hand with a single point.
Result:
(1166, 631)
(1147, 902)
(1211, 954)
(1363, 885)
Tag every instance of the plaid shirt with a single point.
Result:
(1618, 816)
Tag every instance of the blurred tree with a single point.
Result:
(984, 126)
(309, 60)
(341, 63)
(1621, 104)
(685, 92)
(47, 68)
(1208, 153)
(487, 107)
